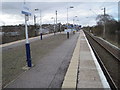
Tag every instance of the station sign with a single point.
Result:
(26, 10)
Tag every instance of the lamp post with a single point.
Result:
(40, 25)
(35, 22)
(54, 24)
(104, 22)
(74, 22)
(67, 21)
(67, 15)
(56, 20)
(40, 28)
(59, 26)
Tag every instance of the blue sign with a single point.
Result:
(26, 13)
(25, 10)
(67, 30)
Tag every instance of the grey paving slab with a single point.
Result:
(48, 72)
(90, 85)
(87, 64)
(88, 76)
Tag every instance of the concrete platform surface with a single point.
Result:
(84, 70)
(90, 74)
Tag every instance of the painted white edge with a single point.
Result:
(101, 74)
(109, 43)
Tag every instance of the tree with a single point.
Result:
(109, 21)
(112, 27)
(104, 18)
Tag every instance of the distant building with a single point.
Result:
(12, 34)
(1, 33)
(44, 31)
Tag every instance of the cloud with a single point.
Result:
(11, 11)
(62, 0)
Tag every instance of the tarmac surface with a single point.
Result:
(50, 71)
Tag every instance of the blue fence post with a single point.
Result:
(41, 36)
(28, 55)
(68, 35)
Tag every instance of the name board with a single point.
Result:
(25, 10)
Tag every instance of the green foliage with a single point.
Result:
(101, 19)
(112, 28)
(97, 30)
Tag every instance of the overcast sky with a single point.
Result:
(11, 11)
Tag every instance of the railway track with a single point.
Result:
(109, 62)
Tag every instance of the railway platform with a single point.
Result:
(84, 70)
